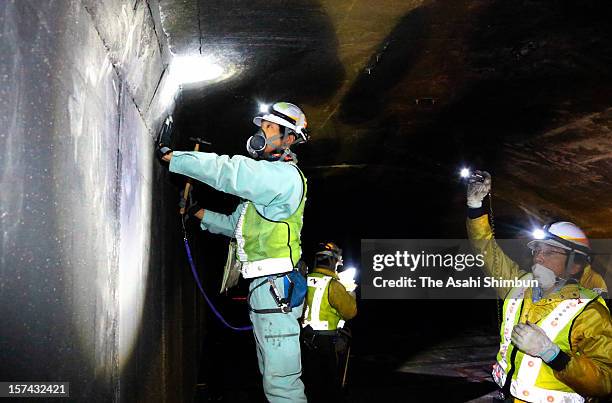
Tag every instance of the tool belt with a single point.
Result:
(341, 337)
(295, 292)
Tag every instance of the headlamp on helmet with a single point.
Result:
(564, 235)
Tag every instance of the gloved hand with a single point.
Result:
(161, 151)
(350, 287)
(191, 205)
(479, 185)
(531, 339)
(193, 209)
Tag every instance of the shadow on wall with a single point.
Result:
(287, 51)
(393, 60)
(500, 72)
(293, 58)
(532, 66)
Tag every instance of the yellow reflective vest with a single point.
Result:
(328, 304)
(587, 340)
(529, 378)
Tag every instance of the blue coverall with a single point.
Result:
(275, 190)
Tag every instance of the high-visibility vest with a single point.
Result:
(268, 247)
(533, 380)
(319, 314)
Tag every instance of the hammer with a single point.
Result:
(188, 185)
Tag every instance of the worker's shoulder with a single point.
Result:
(288, 170)
(584, 292)
(599, 308)
(594, 320)
(336, 286)
(315, 275)
(593, 280)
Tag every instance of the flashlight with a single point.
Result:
(466, 174)
(538, 234)
(263, 108)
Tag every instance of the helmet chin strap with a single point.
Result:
(569, 263)
(282, 153)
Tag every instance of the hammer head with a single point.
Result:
(164, 137)
(200, 141)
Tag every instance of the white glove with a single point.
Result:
(477, 188)
(532, 340)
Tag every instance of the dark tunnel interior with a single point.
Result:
(95, 285)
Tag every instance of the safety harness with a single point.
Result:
(283, 303)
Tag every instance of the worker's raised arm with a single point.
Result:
(259, 181)
(480, 234)
(496, 262)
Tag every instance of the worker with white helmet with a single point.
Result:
(267, 226)
(556, 339)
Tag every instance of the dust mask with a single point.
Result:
(546, 277)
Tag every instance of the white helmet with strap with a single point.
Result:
(287, 115)
(565, 235)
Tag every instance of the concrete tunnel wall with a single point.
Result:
(88, 293)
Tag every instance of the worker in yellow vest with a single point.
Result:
(556, 339)
(329, 303)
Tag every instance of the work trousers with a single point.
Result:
(323, 365)
(277, 337)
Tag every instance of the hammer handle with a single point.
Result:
(188, 185)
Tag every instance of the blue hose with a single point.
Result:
(210, 304)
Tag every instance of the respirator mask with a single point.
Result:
(257, 143)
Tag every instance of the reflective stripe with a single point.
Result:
(319, 283)
(266, 267)
(341, 323)
(499, 375)
(242, 256)
(306, 311)
(529, 369)
(513, 303)
(538, 395)
(523, 386)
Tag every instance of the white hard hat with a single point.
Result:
(287, 115)
(565, 235)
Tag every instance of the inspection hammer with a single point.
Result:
(188, 185)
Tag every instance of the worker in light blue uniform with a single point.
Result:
(266, 226)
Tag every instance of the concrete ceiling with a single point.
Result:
(399, 94)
